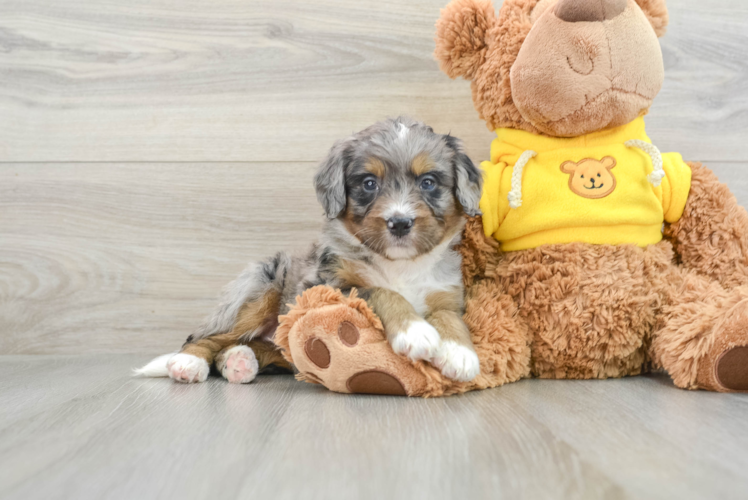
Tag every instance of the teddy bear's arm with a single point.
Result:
(712, 235)
(480, 254)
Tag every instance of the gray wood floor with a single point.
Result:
(150, 148)
(79, 427)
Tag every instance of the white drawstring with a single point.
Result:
(515, 195)
(659, 172)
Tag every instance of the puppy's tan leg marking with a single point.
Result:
(451, 300)
(455, 357)
(269, 354)
(255, 318)
(258, 319)
(349, 273)
(408, 333)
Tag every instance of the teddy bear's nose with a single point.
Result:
(577, 11)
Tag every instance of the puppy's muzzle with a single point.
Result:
(399, 226)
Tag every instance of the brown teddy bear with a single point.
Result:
(596, 256)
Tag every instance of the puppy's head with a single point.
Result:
(399, 188)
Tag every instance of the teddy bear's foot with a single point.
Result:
(725, 367)
(338, 348)
(338, 342)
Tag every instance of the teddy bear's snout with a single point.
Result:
(576, 11)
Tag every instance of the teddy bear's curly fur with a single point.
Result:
(574, 311)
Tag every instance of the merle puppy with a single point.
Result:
(395, 196)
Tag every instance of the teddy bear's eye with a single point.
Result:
(582, 177)
(599, 175)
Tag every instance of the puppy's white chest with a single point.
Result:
(416, 280)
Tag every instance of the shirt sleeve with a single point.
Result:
(490, 203)
(675, 187)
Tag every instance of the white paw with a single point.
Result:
(419, 341)
(457, 362)
(239, 365)
(188, 368)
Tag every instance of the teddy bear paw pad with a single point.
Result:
(375, 382)
(348, 333)
(317, 352)
(732, 369)
(343, 350)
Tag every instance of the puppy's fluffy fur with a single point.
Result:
(395, 196)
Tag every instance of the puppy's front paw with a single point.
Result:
(239, 366)
(188, 368)
(457, 362)
(419, 341)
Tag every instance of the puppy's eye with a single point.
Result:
(582, 177)
(370, 184)
(428, 183)
(599, 175)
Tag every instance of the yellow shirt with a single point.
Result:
(590, 189)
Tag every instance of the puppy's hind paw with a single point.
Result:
(188, 368)
(419, 341)
(238, 365)
(457, 362)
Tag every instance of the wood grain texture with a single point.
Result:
(280, 80)
(131, 257)
(79, 427)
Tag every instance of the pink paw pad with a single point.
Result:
(240, 365)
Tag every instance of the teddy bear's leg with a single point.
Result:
(711, 237)
(500, 336)
(702, 341)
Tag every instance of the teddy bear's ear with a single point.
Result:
(656, 12)
(569, 167)
(609, 162)
(461, 36)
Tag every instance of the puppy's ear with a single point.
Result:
(330, 180)
(468, 178)
(461, 36)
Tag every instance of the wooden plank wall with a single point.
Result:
(150, 148)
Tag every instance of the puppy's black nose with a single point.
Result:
(399, 227)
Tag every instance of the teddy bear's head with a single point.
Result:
(563, 68)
